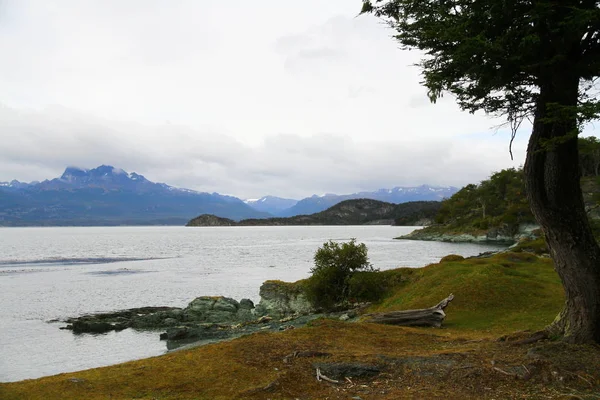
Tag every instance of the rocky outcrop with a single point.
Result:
(505, 234)
(282, 299)
(210, 318)
(219, 310)
(139, 318)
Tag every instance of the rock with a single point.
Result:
(506, 234)
(156, 320)
(178, 333)
(216, 310)
(246, 304)
(95, 327)
(281, 299)
(139, 318)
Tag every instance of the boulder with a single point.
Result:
(95, 327)
(217, 309)
(281, 299)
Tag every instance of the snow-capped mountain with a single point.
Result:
(111, 196)
(271, 204)
(397, 195)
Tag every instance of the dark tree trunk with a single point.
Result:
(552, 177)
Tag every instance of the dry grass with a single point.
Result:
(464, 360)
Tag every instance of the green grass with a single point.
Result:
(512, 290)
(493, 296)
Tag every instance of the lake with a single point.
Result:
(55, 273)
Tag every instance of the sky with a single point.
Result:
(278, 97)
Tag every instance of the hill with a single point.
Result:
(315, 204)
(110, 196)
(497, 210)
(348, 212)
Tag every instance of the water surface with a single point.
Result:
(55, 273)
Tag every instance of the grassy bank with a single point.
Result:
(495, 297)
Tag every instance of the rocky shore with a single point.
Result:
(208, 319)
(504, 235)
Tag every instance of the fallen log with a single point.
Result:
(433, 316)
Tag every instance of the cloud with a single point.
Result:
(282, 98)
(288, 165)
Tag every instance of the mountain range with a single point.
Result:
(111, 196)
(315, 204)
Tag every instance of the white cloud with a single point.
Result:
(246, 98)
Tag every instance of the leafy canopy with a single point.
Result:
(335, 265)
(494, 55)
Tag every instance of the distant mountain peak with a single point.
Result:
(270, 204)
(106, 195)
(73, 172)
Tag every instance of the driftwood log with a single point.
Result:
(433, 316)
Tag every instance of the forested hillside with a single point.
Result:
(349, 212)
(499, 204)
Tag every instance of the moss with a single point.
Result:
(536, 246)
(452, 257)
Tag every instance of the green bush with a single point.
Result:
(335, 264)
(367, 286)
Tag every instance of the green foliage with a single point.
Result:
(335, 265)
(589, 156)
(415, 211)
(367, 286)
(495, 202)
(493, 54)
(358, 212)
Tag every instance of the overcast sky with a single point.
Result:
(289, 98)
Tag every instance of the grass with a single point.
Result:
(495, 297)
(516, 290)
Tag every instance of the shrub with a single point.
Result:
(335, 264)
(367, 286)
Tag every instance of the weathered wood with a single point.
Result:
(433, 316)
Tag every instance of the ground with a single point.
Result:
(499, 301)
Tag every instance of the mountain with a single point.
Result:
(397, 195)
(271, 204)
(110, 196)
(348, 212)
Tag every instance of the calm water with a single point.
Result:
(54, 273)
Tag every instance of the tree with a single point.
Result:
(535, 59)
(335, 265)
(589, 155)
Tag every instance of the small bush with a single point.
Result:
(451, 257)
(335, 264)
(367, 286)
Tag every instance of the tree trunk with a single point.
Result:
(552, 178)
(433, 316)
